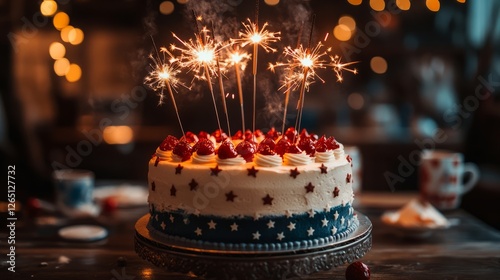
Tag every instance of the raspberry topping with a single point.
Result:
(219, 135)
(249, 135)
(226, 150)
(203, 135)
(190, 137)
(357, 271)
(273, 134)
(265, 149)
(169, 143)
(282, 146)
(321, 145)
(269, 142)
(204, 147)
(293, 149)
(331, 143)
(183, 149)
(246, 149)
(291, 133)
(307, 144)
(238, 135)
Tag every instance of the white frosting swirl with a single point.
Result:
(163, 155)
(231, 161)
(296, 159)
(267, 160)
(201, 159)
(339, 152)
(327, 156)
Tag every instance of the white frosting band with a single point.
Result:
(163, 155)
(339, 152)
(324, 157)
(203, 159)
(296, 159)
(231, 161)
(267, 160)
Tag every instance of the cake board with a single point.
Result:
(210, 263)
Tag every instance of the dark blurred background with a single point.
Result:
(72, 92)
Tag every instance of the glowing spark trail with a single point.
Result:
(164, 75)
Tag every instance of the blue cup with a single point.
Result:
(74, 191)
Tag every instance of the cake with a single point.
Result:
(251, 192)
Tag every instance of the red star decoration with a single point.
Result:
(294, 173)
(157, 161)
(324, 169)
(336, 192)
(178, 169)
(268, 200)
(456, 162)
(173, 191)
(309, 188)
(252, 171)
(349, 158)
(435, 163)
(153, 186)
(348, 177)
(230, 196)
(215, 171)
(193, 185)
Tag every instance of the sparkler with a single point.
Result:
(199, 56)
(252, 35)
(164, 75)
(238, 59)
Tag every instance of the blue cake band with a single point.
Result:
(248, 230)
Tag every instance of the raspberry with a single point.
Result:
(331, 143)
(183, 149)
(238, 135)
(291, 133)
(226, 150)
(293, 149)
(321, 145)
(169, 143)
(306, 143)
(282, 146)
(265, 149)
(204, 147)
(246, 149)
(357, 271)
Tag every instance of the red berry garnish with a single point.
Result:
(169, 143)
(357, 271)
(307, 144)
(219, 135)
(204, 147)
(203, 135)
(246, 149)
(238, 135)
(321, 145)
(226, 150)
(249, 135)
(273, 133)
(190, 137)
(331, 143)
(258, 133)
(293, 149)
(266, 150)
(183, 149)
(282, 146)
(269, 142)
(304, 133)
(291, 133)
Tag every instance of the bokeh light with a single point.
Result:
(48, 7)
(433, 5)
(119, 134)
(378, 65)
(461, 1)
(60, 20)
(182, 1)
(65, 33)
(75, 36)
(356, 101)
(348, 21)
(342, 32)
(377, 5)
(403, 5)
(74, 73)
(57, 50)
(167, 7)
(272, 2)
(61, 67)
(355, 2)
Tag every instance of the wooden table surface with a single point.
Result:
(468, 250)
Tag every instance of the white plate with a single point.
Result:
(83, 232)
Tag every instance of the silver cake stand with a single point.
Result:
(236, 264)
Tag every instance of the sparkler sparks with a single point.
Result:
(337, 67)
(253, 36)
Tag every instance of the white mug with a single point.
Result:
(442, 178)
